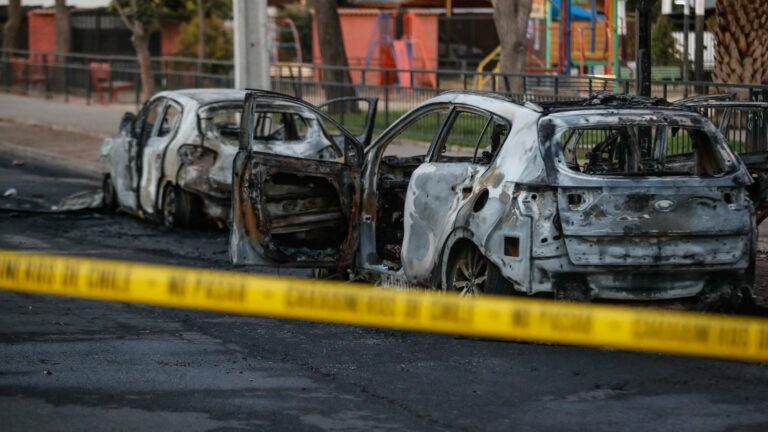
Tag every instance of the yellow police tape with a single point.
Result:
(496, 317)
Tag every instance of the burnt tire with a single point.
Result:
(470, 273)
(180, 209)
(109, 195)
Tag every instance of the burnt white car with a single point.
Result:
(610, 198)
(172, 162)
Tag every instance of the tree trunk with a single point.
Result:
(140, 42)
(62, 42)
(12, 26)
(511, 18)
(337, 82)
(741, 48)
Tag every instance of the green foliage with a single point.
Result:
(187, 9)
(150, 12)
(663, 52)
(147, 12)
(218, 39)
(302, 18)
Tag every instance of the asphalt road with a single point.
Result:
(70, 364)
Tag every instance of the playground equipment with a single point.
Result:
(581, 37)
(401, 53)
(289, 47)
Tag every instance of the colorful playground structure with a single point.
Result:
(589, 44)
(378, 41)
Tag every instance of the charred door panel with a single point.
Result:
(299, 211)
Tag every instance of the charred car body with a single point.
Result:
(612, 199)
(173, 161)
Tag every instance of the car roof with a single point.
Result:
(205, 96)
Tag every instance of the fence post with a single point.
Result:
(26, 75)
(66, 80)
(111, 71)
(136, 87)
(386, 97)
(8, 70)
(47, 74)
(88, 88)
(664, 90)
(557, 86)
(301, 81)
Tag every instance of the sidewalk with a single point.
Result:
(95, 119)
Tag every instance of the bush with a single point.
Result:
(663, 51)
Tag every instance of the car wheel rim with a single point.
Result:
(469, 275)
(169, 208)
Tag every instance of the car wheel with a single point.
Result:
(469, 273)
(109, 195)
(177, 208)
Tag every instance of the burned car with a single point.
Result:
(172, 162)
(611, 198)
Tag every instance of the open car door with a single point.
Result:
(745, 126)
(296, 187)
(355, 114)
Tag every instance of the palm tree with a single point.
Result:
(741, 48)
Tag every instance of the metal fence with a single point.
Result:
(117, 78)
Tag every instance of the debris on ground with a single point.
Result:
(88, 199)
(17, 162)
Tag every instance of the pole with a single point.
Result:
(251, 47)
(548, 35)
(686, 25)
(643, 59)
(699, 49)
(615, 39)
(565, 21)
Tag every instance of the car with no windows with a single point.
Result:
(172, 162)
(614, 197)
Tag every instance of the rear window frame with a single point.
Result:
(616, 118)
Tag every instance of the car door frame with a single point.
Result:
(370, 121)
(153, 188)
(460, 190)
(367, 257)
(345, 174)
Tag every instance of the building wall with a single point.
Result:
(42, 30)
(360, 33)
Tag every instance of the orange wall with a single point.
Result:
(357, 27)
(169, 38)
(42, 30)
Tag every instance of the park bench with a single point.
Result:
(28, 71)
(101, 77)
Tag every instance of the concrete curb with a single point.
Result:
(86, 169)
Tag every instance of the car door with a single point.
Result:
(356, 114)
(152, 152)
(124, 154)
(292, 209)
(440, 188)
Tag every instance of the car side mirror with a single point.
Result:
(126, 124)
